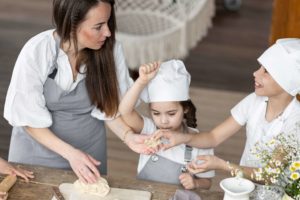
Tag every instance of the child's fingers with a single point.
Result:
(148, 68)
(200, 159)
(3, 195)
(186, 180)
(151, 67)
(157, 65)
(159, 134)
(195, 170)
(166, 147)
(183, 176)
(194, 165)
(143, 69)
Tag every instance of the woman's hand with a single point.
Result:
(170, 139)
(3, 195)
(148, 71)
(187, 181)
(205, 163)
(6, 168)
(84, 166)
(136, 142)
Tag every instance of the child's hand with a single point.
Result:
(205, 163)
(148, 71)
(3, 195)
(187, 181)
(136, 142)
(6, 168)
(169, 138)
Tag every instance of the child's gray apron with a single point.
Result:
(163, 170)
(72, 122)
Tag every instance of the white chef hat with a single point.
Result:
(282, 61)
(171, 83)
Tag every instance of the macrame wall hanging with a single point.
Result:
(151, 30)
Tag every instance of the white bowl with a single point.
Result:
(236, 188)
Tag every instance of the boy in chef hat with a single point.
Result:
(166, 88)
(272, 109)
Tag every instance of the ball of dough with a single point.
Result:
(100, 188)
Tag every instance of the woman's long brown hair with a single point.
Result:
(101, 78)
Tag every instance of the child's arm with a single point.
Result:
(211, 162)
(201, 140)
(189, 182)
(127, 104)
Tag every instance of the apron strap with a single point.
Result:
(188, 150)
(54, 72)
(188, 153)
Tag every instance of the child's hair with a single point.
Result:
(190, 115)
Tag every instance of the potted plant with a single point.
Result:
(281, 163)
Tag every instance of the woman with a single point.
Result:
(62, 81)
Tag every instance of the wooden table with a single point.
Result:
(40, 187)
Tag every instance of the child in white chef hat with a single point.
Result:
(166, 88)
(272, 109)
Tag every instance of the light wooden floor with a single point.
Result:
(223, 62)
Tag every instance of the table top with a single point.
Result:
(40, 187)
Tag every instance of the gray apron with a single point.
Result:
(160, 169)
(72, 123)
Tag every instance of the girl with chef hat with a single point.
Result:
(272, 109)
(166, 88)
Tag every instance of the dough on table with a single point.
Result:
(100, 188)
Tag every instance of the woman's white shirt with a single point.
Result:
(25, 104)
(175, 154)
(251, 111)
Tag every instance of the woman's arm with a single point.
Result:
(82, 164)
(201, 140)
(134, 141)
(127, 104)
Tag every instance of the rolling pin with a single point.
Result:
(7, 183)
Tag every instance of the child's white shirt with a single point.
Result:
(176, 153)
(252, 111)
